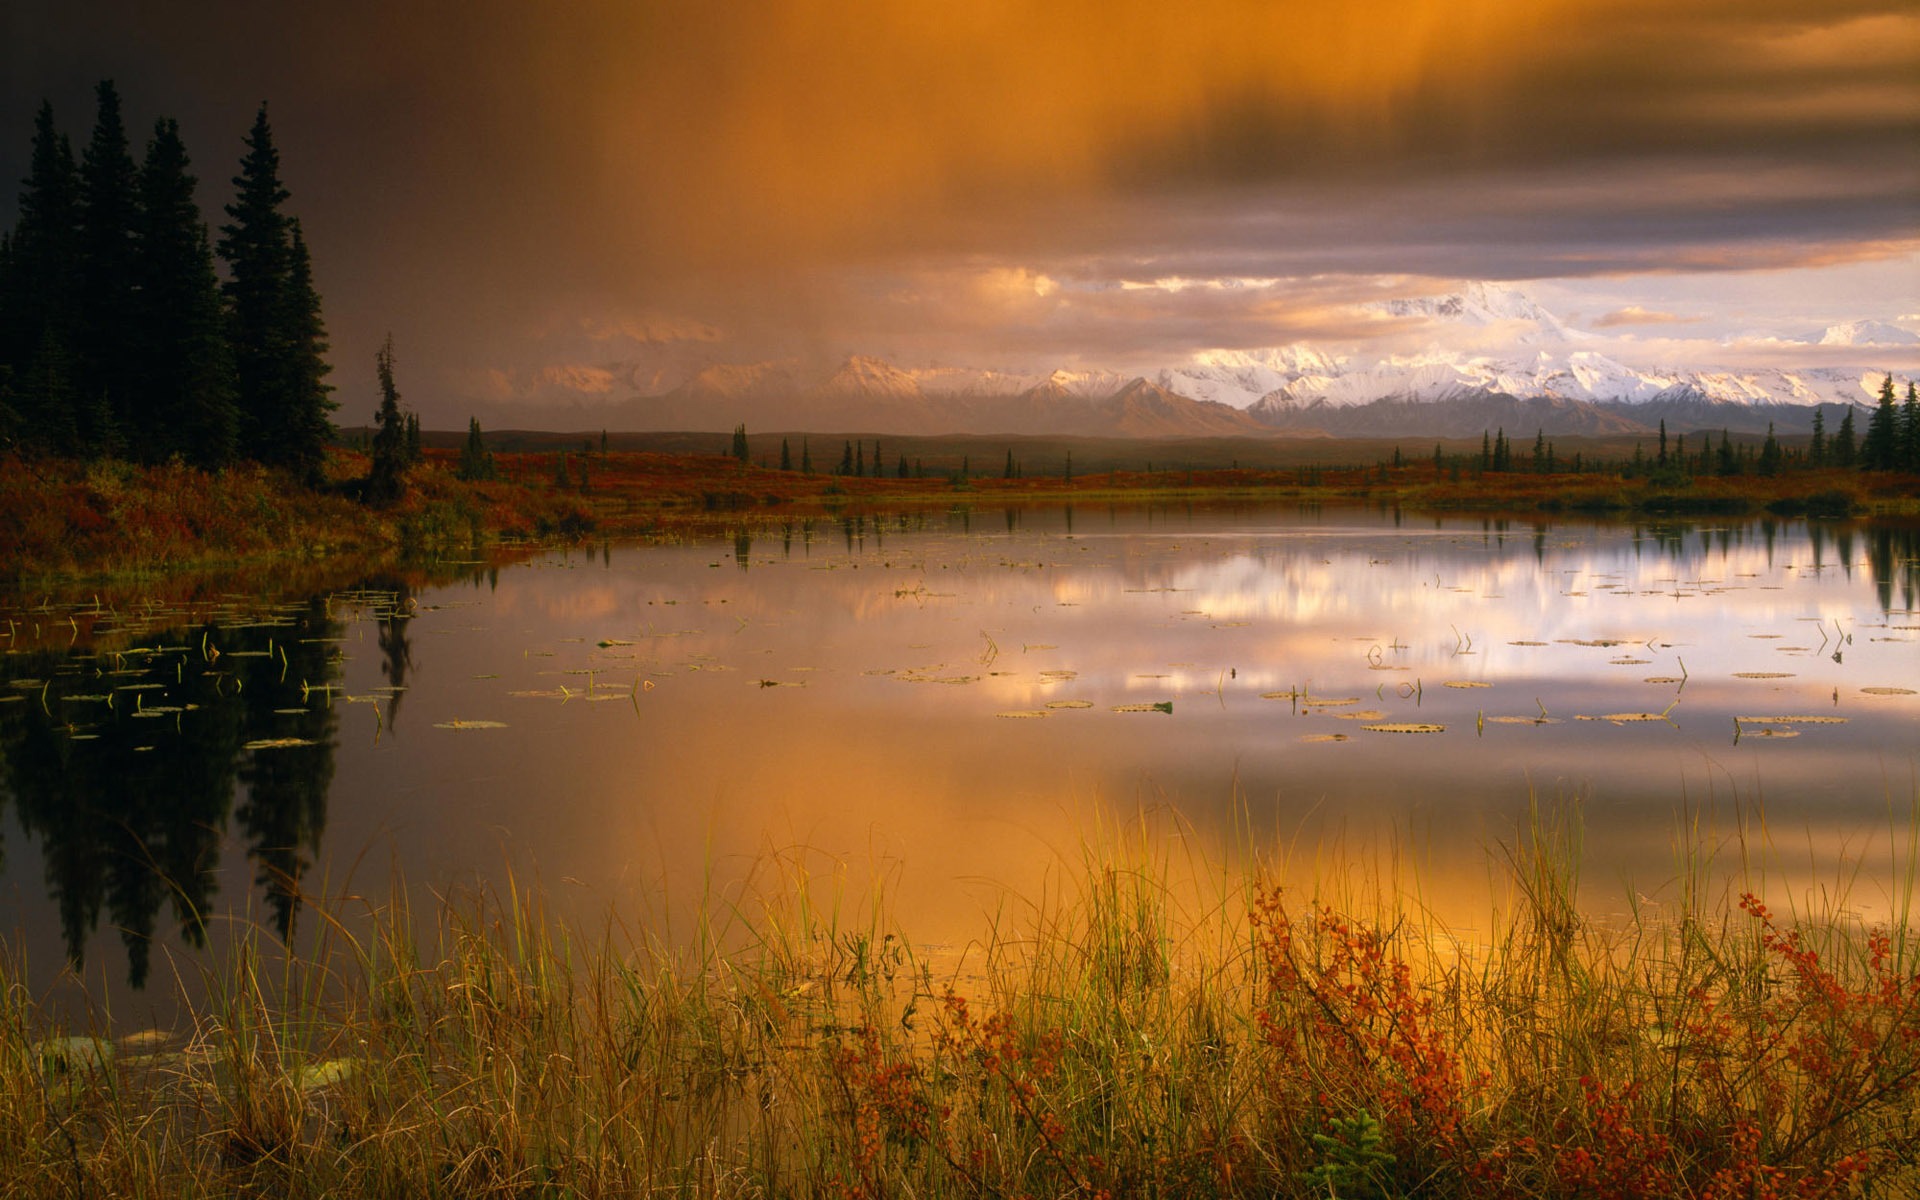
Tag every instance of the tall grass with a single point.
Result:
(1152, 1024)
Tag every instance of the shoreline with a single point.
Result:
(118, 526)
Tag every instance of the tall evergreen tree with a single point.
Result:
(305, 424)
(186, 405)
(786, 456)
(279, 340)
(1879, 450)
(476, 461)
(386, 473)
(108, 225)
(1910, 429)
(256, 246)
(1817, 445)
(740, 443)
(1770, 453)
(38, 325)
(1843, 441)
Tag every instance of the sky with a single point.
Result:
(519, 193)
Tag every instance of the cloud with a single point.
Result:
(815, 176)
(648, 328)
(1633, 314)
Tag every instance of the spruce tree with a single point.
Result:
(108, 220)
(1879, 450)
(846, 459)
(256, 246)
(476, 462)
(1909, 455)
(1843, 443)
(860, 460)
(307, 425)
(279, 340)
(38, 326)
(1817, 445)
(386, 473)
(186, 405)
(1770, 453)
(786, 456)
(740, 443)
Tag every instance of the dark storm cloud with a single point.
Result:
(475, 177)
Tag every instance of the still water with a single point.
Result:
(952, 705)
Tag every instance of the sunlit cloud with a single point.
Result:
(632, 180)
(1633, 314)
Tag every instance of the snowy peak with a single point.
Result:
(870, 377)
(1482, 306)
(1868, 333)
(741, 379)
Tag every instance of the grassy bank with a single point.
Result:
(1135, 1036)
(107, 521)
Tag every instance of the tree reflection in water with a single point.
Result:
(123, 768)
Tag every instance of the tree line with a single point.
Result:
(119, 337)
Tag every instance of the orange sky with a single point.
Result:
(803, 176)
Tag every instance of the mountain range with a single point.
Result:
(1549, 376)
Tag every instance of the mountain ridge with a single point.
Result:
(1562, 379)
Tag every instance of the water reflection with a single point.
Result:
(853, 686)
(123, 768)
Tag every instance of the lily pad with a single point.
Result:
(1025, 714)
(1069, 704)
(459, 724)
(1887, 691)
(285, 743)
(74, 1053)
(1408, 727)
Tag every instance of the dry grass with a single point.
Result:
(1154, 1027)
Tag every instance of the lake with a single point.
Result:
(952, 706)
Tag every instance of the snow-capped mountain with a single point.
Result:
(1493, 356)
(1484, 306)
(1868, 333)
